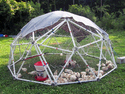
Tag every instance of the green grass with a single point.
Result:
(114, 83)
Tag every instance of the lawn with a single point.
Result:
(114, 83)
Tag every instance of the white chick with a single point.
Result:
(83, 73)
(73, 63)
(92, 76)
(55, 76)
(104, 68)
(32, 73)
(84, 77)
(97, 65)
(62, 75)
(61, 54)
(93, 69)
(58, 81)
(24, 69)
(68, 79)
(47, 81)
(110, 66)
(77, 74)
(80, 79)
(68, 76)
(90, 73)
(19, 75)
(102, 72)
(87, 70)
(100, 75)
(87, 77)
(65, 75)
(56, 72)
(108, 62)
(103, 65)
(65, 80)
(73, 78)
(68, 71)
(67, 64)
(96, 72)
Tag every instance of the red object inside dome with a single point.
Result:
(39, 63)
(40, 78)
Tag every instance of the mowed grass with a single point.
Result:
(114, 83)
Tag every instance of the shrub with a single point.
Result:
(36, 10)
(120, 21)
(5, 15)
(110, 21)
(15, 15)
(107, 21)
(83, 11)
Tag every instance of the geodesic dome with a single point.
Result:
(61, 48)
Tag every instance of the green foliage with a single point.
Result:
(100, 10)
(120, 21)
(107, 21)
(111, 21)
(16, 14)
(82, 11)
(35, 9)
(5, 14)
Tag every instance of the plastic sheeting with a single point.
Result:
(50, 18)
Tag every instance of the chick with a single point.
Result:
(55, 76)
(83, 73)
(73, 63)
(102, 72)
(56, 72)
(61, 54)
(108, 62)
(100, 75)
(65, 80)
(24, 69)
(19, 75)
(110, 66)
(97, 65)
(104, 68)
(47, 81)
(87, 70)
(103, 65)
(93, 69)
(68, 76)
(80, 79)
(32, 73)
(77, 74)
(85, 77)
(96, 72)
(73, 78)
(68, 71)
(90, 73)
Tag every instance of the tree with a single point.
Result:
(5, 15)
